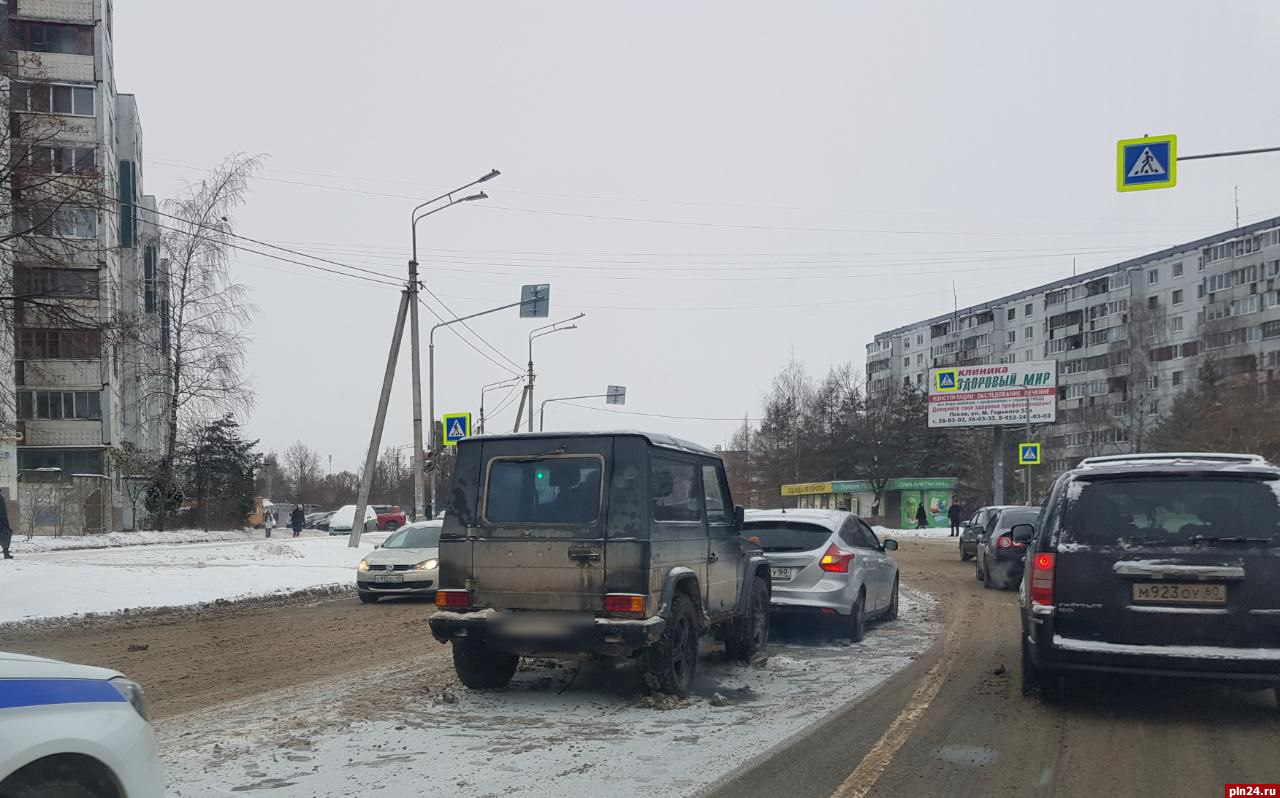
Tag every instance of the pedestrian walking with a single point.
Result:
(922, 517)
(297, 519)
(268, 522)
(954, 513)
(6, 532)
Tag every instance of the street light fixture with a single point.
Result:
(493, 386)
(548, 329)
(616, 395)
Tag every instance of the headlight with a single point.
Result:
(426, 565)
(132, 691)
(363, 566)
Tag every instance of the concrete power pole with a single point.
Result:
(419, 489)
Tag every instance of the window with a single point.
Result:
(544, 490)
(149, 257)
(920, 358)
(785, 535)
(64, 222)
(63, 160)
(906, 362)
(673, 489)
(1153, 303)
(1175, 324)
(1157, 513)
(1026, 310)
(1012, 314)
(1176, 379)
(53, 344)
(1120, 280)
(1013, 336)
(1028, 332)
(1200, 291)
(1153, 277)
(920, 339)
(56, 97)
(1177, 270)
(48, 37)
(1055, 297)
(1177, 297)
(70, 461)
(1271, 329)
(1154, 382)
(906, 342)
(1076, 391)
(37, 281)
(59, 405)
(717, 507)
(864, 537)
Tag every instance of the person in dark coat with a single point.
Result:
(922, 517)
(954, 512)
(296, 519)
(6, 532)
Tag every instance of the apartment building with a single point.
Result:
(88, 271)
(1127, 337)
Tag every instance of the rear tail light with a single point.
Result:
(835, 561)
(1042, 566)
(1004, 542)
(626, 603)
(453, 599)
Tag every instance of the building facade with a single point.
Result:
(1127, 337)
(80, 271)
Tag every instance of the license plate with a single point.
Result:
(388, 577)
(781, 574)
(1179, 593)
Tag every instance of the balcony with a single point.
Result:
(62, 433)
(80, 11)
(55, 67)
(67, 374)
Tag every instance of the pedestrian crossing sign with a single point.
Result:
(1148, 162)
(456, 427)
(1028, 454)
(945, 380)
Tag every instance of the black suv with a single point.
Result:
(1156, 564)
(613, 544)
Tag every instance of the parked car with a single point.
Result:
(310, 520)
(390, 517)
(1155, 564)
(407, 562)
(826, 563)
(976, 528)
(341, 521)
(322, 523)
(1001, 558)
(610, 543)
(73, 730)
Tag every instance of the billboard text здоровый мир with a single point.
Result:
(1005, 394)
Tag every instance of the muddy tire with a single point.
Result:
(856, 624)
(481, 668)
(368, 598)
(751, 631)
(670, 664)
(58, 788)
(891, 614)
(965, 556)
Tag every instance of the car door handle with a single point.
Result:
(584, 555)
(713, 557)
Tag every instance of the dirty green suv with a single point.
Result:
(613, 544)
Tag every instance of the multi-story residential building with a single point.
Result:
(83, 270)
(1127, 337)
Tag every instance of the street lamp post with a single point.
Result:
(527, 396)
(415, 358)
(493, 386)
(542, 408)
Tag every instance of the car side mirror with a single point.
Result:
(739, 517)
(1023, 533)
(890, 545)
(377, 545)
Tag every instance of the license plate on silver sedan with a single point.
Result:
(388, 578)
(780, 574)
(1180, 593)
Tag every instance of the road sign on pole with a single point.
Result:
(617, 395)
(1146, 163)
(535, 301)
(456, 427)
(1028, 454)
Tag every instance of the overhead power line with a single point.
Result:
(659, 415)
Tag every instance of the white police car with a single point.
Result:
(72, 731)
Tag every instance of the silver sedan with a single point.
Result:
(827, 563)
(407, 562)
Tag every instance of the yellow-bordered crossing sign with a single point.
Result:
(1028, 454)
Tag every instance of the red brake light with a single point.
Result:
(629, 603)
(1042, 566)
(453, 599)
(1003, 542)
(835, 561)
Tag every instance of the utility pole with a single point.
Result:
(997, 451)
(490, 387)
(1026, 470)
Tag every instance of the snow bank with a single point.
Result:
(61, 583)
(110, 540)
(554, 731)
(929, 532)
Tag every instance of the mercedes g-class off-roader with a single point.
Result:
(619, 544)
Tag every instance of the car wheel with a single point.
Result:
(751, 632)
(977, 569)
(670, 663)
(891, 614)
(987, 581)
(367, 597)
(57, 788)
(481, 668)
(964, 555)
(857, 623)
(391, 526)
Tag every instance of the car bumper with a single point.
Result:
(969, 547)
(577, 633)
(826, 595)
(1208, 663)
(416, 582)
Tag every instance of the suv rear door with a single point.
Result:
(1169, 559)
(540, 539)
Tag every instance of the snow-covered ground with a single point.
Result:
(60, 583)
(411, 730)
(110, 540)
(929, 532)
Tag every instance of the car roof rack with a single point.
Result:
(1216, 457)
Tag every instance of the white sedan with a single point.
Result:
(407, 562)
(72, 731)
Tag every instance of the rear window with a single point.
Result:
(785, 535)
(1173, 512)
(543, 490)
(1011, 518)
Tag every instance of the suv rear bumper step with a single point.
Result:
(1199, 662)
(608, 636)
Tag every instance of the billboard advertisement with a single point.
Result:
(1005, 394)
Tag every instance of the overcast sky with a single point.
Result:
(716, 185)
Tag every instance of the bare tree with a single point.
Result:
(137, 468)
(205, 312)
(302, 473)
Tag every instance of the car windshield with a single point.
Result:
(785, 535)
(1174, 511)
(414, 537)
(1011, 518)
(552, 490)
